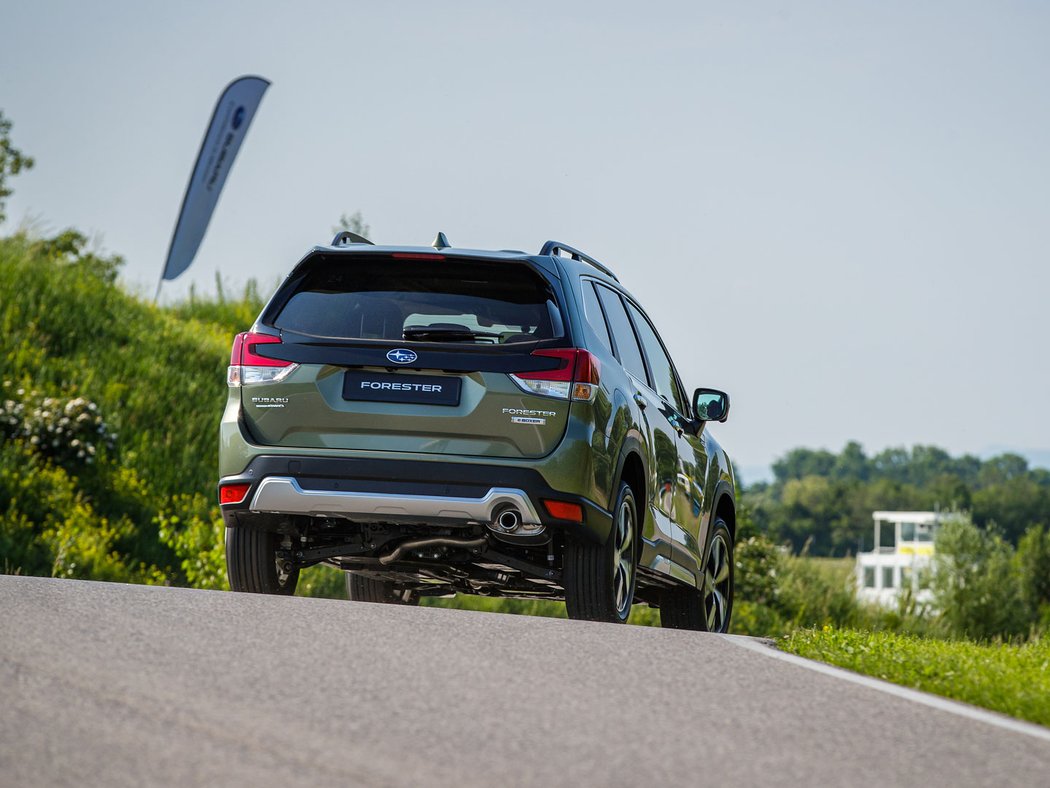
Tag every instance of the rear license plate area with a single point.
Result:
(407, 389)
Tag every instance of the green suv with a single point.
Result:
(436, 420)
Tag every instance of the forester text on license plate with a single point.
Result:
(410, 389)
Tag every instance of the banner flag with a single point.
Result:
(229, 123)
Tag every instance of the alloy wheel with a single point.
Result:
(718, 579)
(623, 578)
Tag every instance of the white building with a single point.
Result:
(902, 558)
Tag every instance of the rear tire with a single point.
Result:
(251, 562)
(709, 608)
(367, 589)
(600, 580)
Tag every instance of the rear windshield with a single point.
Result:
(423, 301)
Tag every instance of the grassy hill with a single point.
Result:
(108, 419)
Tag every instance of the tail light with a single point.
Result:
(248, 367)
(576, 377)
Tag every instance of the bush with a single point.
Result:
(71, 431)
(49, 527)
(1033, 557)
(976, 584)
(191, 527)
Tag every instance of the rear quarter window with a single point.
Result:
(593, 312)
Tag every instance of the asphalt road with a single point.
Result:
(104, 684)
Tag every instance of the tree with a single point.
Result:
(12, 162)
(799, 463)
(893, 464)
(975, 583)
(1033, 555)
(852, 463)
(1004, 468)
(354, 223)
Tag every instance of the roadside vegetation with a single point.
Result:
(108, 424)
(1011, 678)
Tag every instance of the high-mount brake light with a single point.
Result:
(416, 256)
(233, 493)
(248, 367)
(575, 378)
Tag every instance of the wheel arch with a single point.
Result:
(632, 472)
(630, 469)
(725, 506)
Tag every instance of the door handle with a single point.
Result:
(642, 402)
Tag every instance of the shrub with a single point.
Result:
(1033, 558)
(71, 431)
(976, 585)
(191, 527)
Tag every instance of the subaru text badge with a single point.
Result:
(402, 356)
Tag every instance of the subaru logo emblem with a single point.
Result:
(402, 356)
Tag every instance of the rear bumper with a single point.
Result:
(368, 490)
(284, 495)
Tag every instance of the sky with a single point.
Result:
(837, 212)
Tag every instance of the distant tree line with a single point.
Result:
(823, 501)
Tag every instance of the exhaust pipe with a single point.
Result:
(437, 541)
(508, 520)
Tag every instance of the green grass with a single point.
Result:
(1011, 679)
(145, 510)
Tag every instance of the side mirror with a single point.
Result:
(711, 405)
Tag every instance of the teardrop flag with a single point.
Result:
(229, 123)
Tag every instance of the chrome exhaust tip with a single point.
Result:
(507, 520)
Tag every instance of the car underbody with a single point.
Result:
(426, 559)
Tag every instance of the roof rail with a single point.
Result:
(557, 247)
(345, 237)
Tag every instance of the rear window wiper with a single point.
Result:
(428, 334)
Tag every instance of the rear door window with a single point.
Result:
(385, 298)
(626, 342)
(665, 382)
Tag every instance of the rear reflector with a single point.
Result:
(564, 510)
(577, 374)
(233, 493)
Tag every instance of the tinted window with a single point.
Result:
(450, 300)
(664, 381)
(626, 343)
(593, 311)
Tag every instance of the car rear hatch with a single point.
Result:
(410, 352)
